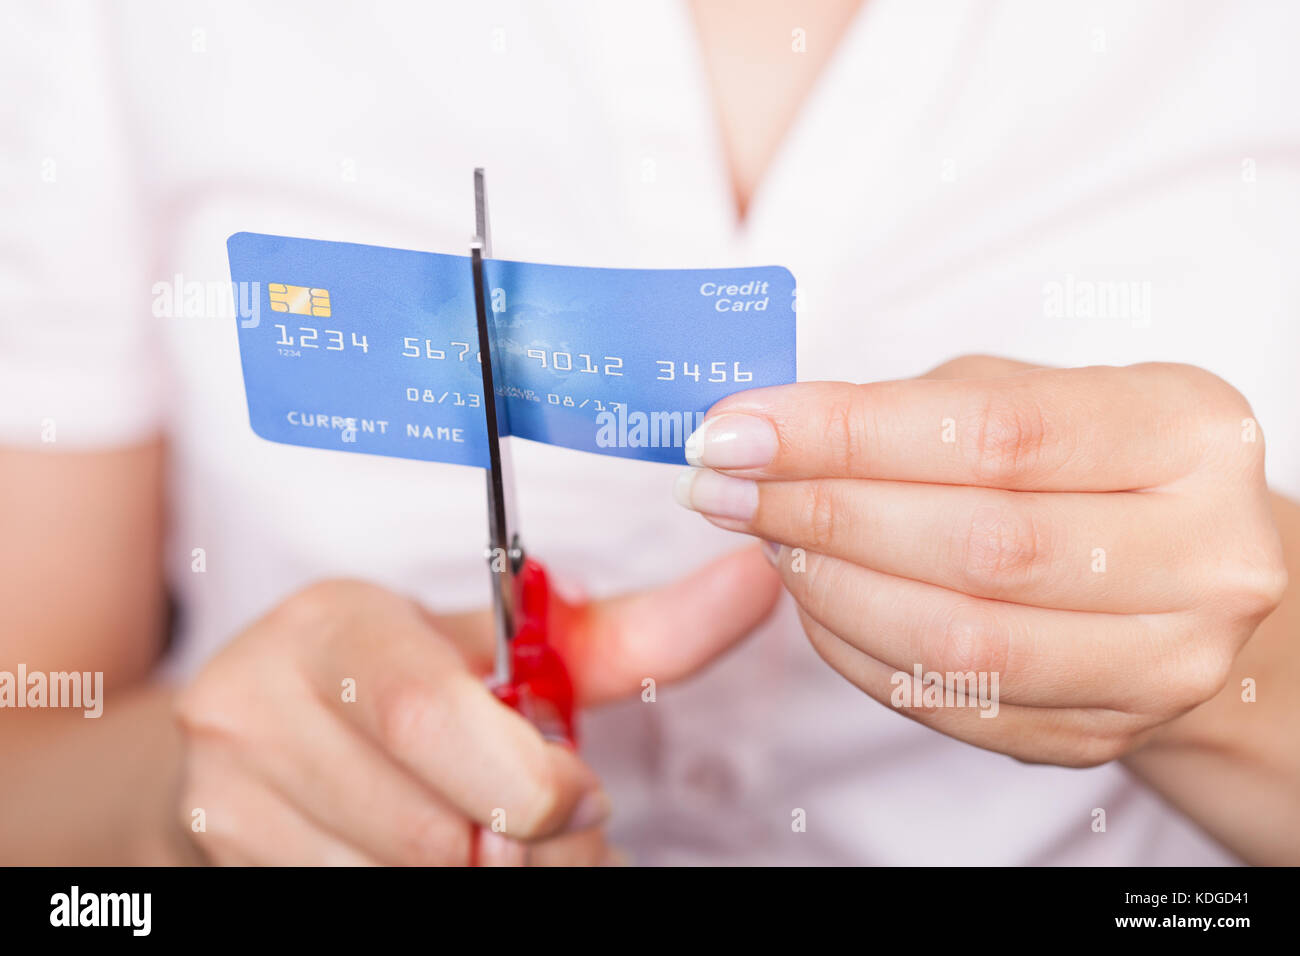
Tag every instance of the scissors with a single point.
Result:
(528, 675)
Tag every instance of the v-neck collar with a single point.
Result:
(741, 225)
(642, 69)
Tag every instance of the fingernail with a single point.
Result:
(591, 811)
(773, 552)
(719, 495)
(495, 849)
(732, 441)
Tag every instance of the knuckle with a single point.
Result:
(1000, 548)
(207, 785)
(820, 519)
(1253, 582)
(974, 365)
(1207, 389)
(190, 706)
(846, 425)
(319, 602)
(1217, 411)
(842, 432)
(1255, 454)
(1273, 588)
(408, 719)
(1202, 676)
(969, 638)
(1095, 749)
(1010, 434)
(1265, 586)
(204, 707)
(431, 838)
(822, 583)
(953, 367)
(187, 800)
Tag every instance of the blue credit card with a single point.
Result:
(374, 350)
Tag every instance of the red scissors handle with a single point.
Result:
(539, 685)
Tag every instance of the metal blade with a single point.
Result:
(505, 554)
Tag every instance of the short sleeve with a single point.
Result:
(78, 364)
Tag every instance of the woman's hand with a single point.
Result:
(288, 767)
(1100, 539)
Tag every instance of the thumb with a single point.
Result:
(666, 633)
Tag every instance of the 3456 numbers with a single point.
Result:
(718, 372)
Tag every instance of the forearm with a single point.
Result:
(81, 585)
(1233, 765)
(93, 791)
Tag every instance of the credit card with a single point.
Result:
(374, 350)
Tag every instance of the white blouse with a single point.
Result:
(1064, 183)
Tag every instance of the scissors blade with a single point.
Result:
(505, 554)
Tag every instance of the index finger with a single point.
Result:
(432, 715)
(610, 646)
(1085, 429)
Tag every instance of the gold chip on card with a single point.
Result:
(299, 299)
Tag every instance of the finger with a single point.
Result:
(497, 849)
(1125, 552)
(585, 848)
(246, 822)
(1087, 429)
(417, 700)
(1042, 658)
(978, 366)
(317, 761)
(669, 632)
(1062, 736)
(471, 631)
(610, 646)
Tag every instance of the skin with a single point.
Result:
(1233, 767)
(259, 738)
(261, 741)
(428, 750)
(951, 521)
(759, 83)
(155, 755)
